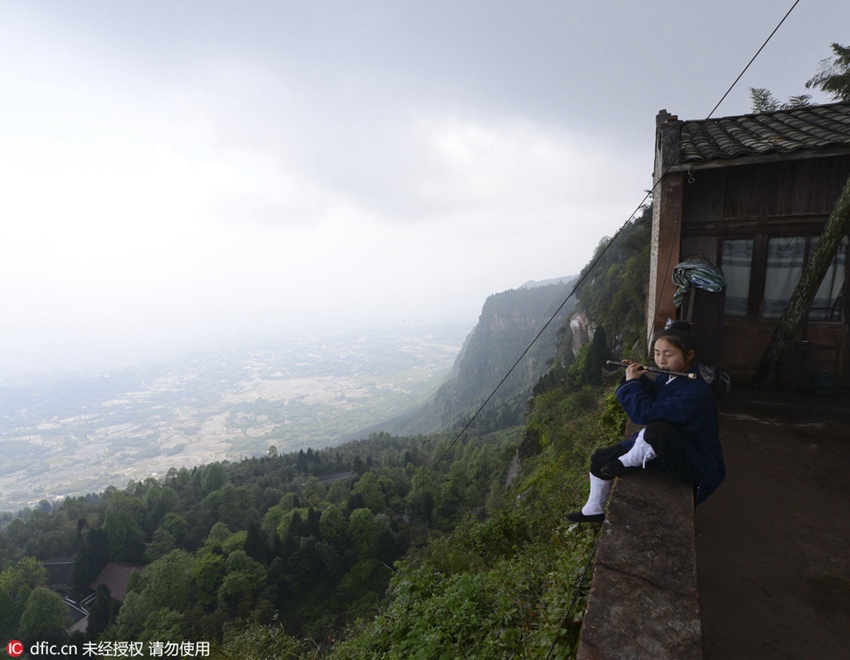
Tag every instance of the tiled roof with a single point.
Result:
(116, 576)
(806, 129)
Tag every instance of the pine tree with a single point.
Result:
(833, 76)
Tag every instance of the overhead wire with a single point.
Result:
(658, 299)
(753, 59)
(595, 261)
(573, 291)
(702, 127)
(549, 321)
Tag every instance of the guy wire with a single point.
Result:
(593, 264)
(658, 300)
(580, 281)
(702, 128)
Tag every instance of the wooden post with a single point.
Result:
(668, 190)
(801, 299)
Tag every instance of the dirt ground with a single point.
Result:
(773, 542)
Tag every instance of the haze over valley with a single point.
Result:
(81, 434)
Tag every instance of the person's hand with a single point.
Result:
(634, 370)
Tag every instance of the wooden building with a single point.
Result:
(752, 194)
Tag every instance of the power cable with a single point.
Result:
(572, 292)
(702, 128)
(580, 281)
(658, 299)
(753, 59)
(603, 252)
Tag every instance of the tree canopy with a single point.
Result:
(832, 77)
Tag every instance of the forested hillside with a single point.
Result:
(307, 539)
(611, 310)
(302, 549)
(391, 546)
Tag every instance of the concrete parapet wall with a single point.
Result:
(643, 598)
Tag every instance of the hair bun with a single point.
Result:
(679, 326)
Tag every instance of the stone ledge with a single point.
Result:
(643, 599)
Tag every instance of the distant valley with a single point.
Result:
(82, 434)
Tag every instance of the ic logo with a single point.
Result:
(15, 648)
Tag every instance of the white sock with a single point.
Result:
(639, 454)
(599, 491)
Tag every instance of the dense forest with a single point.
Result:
(441, 545)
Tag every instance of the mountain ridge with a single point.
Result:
(489, 365)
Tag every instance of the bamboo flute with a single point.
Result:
(656, 370)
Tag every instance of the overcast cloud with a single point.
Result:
(190, 173)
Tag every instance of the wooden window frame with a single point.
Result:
(758, 274)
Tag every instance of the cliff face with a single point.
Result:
(508, 324)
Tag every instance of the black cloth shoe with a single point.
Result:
(578, 516)
(616, 469)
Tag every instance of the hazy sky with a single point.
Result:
(184, 172)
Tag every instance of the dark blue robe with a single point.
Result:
(689, 406)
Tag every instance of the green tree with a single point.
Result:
(833, 76)
(214, 477)
(257, 544)
(362, 529)
(763, 100)
(27, 572)
(257, 641)
(130, 623)
(168, 582)
(614, 289)
(331, 559)
(161, 544)
(587, 369)
(92, 556)
(244, 578)
(333, 527)
(373, 497)
(219, 533)
(121, 524)
(164, 623)
(45, 617)
(176, 525)
(16, 585)
(10, 614)
(232, 505)
(101, 613)
(313, 491)
(207, 575)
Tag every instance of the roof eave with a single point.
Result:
(776, 157)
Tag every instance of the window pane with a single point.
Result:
(826, 305)
(785, 260)
(736, 263)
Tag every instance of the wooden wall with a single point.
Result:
(758, 200)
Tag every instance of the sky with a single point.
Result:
(188, 174)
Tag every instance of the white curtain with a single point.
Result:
(826, 305)
(785, 260)
(736, 262)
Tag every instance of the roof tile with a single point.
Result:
(805, 129)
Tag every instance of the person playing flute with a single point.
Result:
(681, 434)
